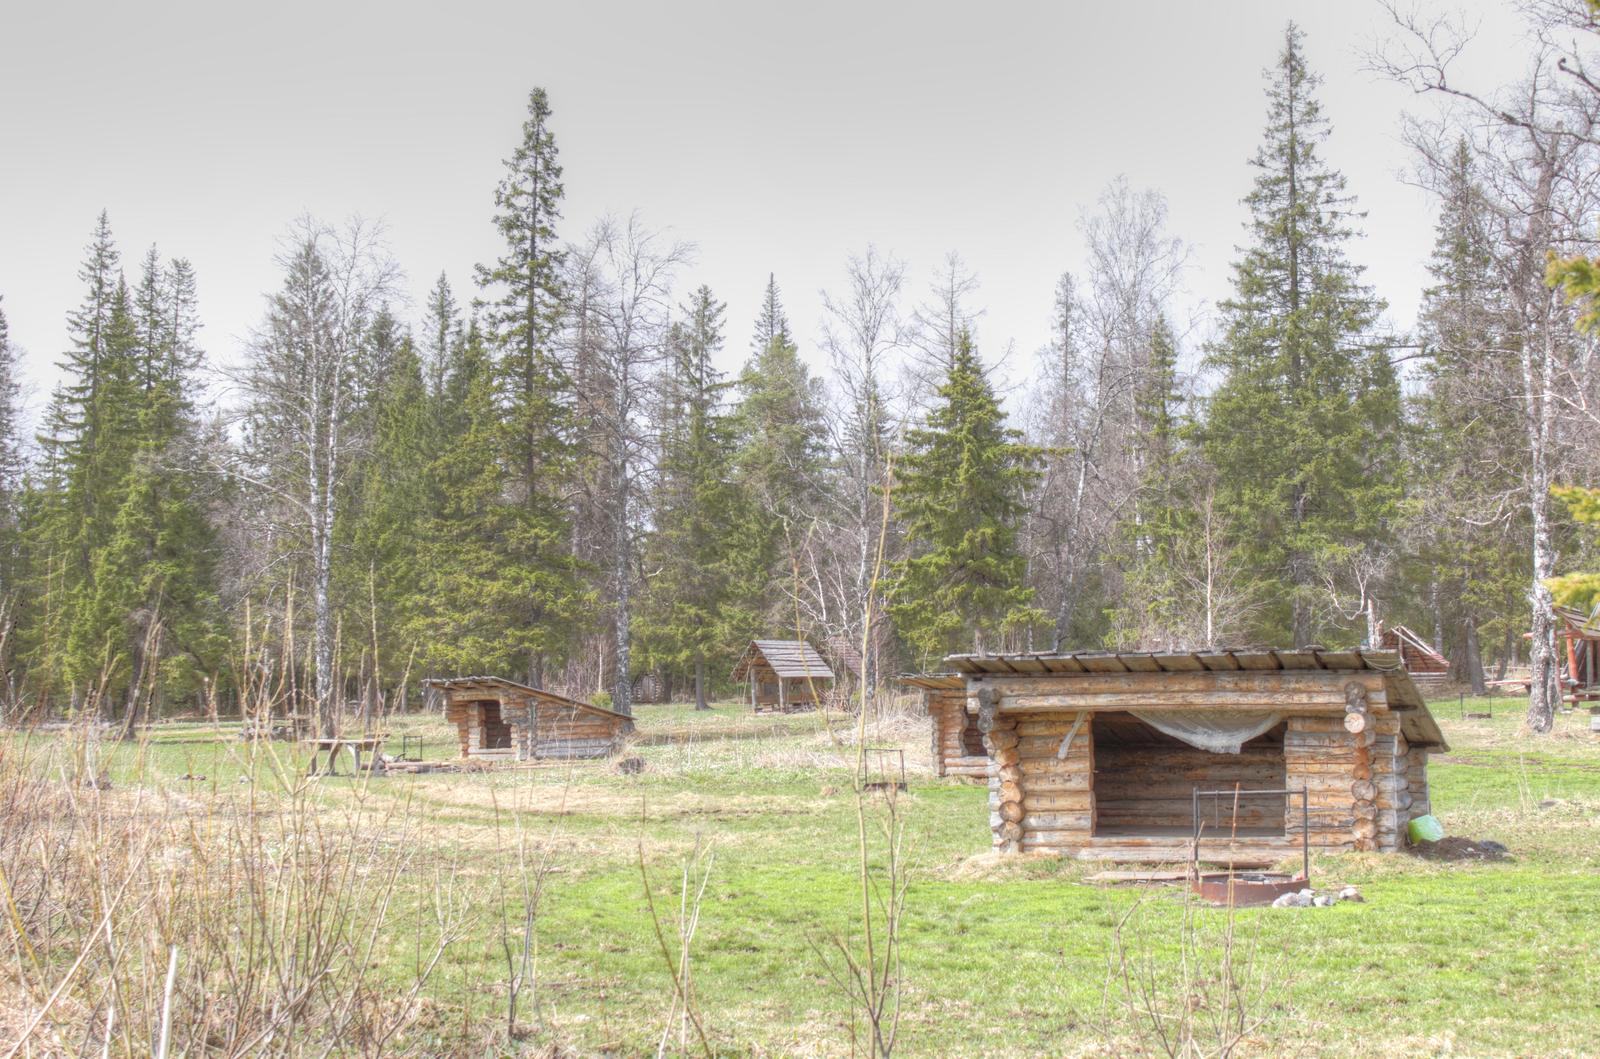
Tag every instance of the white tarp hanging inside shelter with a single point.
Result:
(1219, 731)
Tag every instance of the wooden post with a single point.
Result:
(783, 693)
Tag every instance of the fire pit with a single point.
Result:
(1244, 889)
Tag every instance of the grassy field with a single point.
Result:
(1006, 958)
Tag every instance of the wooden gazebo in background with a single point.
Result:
(501, 719)
(783, 674)
(1428, 668)
(1579, 634)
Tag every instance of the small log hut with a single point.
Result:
(958, 748)
(784, 674)
(1098, 755)
(501, 719)
(1428, 668)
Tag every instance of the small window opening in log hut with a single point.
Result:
(971, 736)
(496, 732)
(1144, 781)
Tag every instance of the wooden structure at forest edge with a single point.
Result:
(784, 674)
(1083, 762)
(1428, 668)
(1580, 632)
(499, 718)
(957, 744)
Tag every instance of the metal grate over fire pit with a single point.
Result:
(1247, 888)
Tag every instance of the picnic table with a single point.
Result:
(356, 744)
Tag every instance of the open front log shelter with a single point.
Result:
(957, 744)
(501, 719)
(784, 674)
(1099, 755)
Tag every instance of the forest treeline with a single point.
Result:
(540, 472)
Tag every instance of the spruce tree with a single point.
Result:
(777, 465)
(441, 337)
(498, 583)
(683, 624)
(1468, 569)
(147, 625)
(11, 458)
(1304, 427)
(960, 494)
(525, 311)
(772, 326)
(11, 465)
(1150, 611)
(386, 554)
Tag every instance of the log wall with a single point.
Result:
(1340, 743)
(524, 728)
(1417, 776)
(566, 732)
(958, 748)
(1151, 785)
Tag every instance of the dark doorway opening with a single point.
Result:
(1144, 782)
(496, 732)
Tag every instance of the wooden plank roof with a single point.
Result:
(1416, 722)
(787, 658)
(493, 687)
(1400, 634)
(933, 681)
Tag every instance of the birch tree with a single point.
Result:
(1084, 408)
(299, 397)
(1535, 142)
(862, 333)
(629, 311)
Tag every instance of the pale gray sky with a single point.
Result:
(776, 138)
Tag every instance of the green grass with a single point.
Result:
(998, 959)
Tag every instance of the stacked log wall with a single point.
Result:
(950, 750)
(1152, 785)
(1325, 760)
(1058, 796)
(1417, 782)
(567, 732)
(1391, 782)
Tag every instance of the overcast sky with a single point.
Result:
(776, 138)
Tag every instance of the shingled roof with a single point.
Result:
(787, 658)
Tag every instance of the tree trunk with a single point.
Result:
(1473, 660)
(622, 697)
(700, 681)
(1438, 615)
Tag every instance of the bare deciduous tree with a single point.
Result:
(625, 312)
(1536, 143)
(299, 393)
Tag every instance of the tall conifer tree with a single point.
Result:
(778, 461)
(683, 623)
(525, 311)
(1304, 428)
(961, 493)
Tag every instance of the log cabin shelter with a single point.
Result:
(500, 719)
(1428, 668)
(958, 748)
(1100, 755)
(783, 674)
